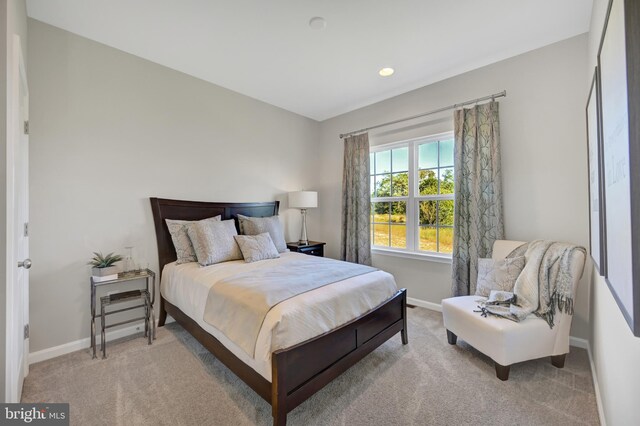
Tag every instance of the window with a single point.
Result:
(412, 192)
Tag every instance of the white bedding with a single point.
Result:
(288, 323)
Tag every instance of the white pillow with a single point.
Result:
(259, 225)
(181, 240)
(498, 275)
(257, 247)
(213, 242)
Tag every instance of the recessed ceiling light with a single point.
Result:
(386, 72)
(318, 23)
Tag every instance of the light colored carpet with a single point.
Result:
(428, 382)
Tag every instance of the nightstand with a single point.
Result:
(146, 297)
(314, 248)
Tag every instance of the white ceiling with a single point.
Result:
(266, 50)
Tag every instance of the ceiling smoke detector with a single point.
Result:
(318, 23)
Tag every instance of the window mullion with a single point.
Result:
(410, 229)
(388, 199)
(438, 171)
(416, 216)
(435, 197)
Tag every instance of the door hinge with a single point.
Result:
(26, 331)
(26, 229)
(26, 127)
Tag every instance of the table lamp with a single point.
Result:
(303, 200)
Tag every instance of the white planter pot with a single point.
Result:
(102, 272)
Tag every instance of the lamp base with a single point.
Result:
(303, 233)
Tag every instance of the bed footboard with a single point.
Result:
(301, 370)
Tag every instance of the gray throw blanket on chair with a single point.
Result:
(545, 284)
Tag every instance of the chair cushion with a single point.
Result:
(504, 341)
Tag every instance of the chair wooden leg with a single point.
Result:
(502, 372)
(451, 338)
(558, 360)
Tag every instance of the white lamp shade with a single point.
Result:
(303, 199)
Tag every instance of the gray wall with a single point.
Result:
(13, 20)
(615, 351)
(543, 156)
(109, 130)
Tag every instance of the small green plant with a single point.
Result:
(103, 261)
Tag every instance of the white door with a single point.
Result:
(17, 363)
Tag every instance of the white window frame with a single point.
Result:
(412, 200)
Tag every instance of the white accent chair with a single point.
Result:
(507, 342)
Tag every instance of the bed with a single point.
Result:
(287, 376)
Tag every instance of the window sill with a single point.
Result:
(412, 255)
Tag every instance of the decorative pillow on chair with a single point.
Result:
(498, 275)
(213, 242)
(257, 247)
(181, 241)
(260, 225)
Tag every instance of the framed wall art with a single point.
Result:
(619, 94)
(597, 239)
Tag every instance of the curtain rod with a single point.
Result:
(454, 106)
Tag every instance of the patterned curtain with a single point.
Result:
(356, 202)
(478, 186)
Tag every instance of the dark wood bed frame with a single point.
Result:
(298, 371)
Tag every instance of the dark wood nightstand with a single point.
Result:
(314, 248)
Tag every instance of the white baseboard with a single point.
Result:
(578, 342)
(424, 304)
(596, 387)
(85, 343)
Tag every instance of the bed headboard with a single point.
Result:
(196, 210)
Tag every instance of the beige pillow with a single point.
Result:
(259, 225)
(257, 247)
(213, 242)
(181, 240)
(498, 275)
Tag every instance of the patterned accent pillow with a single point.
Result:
(257, 247)
(213, 242)
(181, 241)
(498, 275)
(260, 225)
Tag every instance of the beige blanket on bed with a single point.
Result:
(237, 305)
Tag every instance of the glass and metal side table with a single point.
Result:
(150, 281)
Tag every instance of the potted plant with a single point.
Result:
(103, 265)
